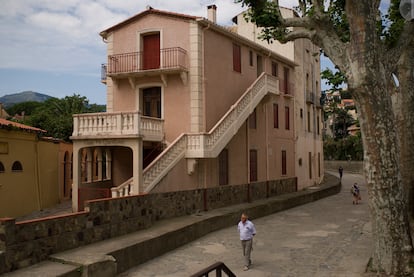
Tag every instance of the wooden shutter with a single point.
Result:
(284, 163)
(236, 58)
(151, 51)
(253, 165)
(287, 119)
(275, 116)
(224, 167)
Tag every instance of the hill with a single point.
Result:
(11, 99)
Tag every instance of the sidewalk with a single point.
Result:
(329, 237)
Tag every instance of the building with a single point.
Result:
(191, 104)
(34, 171)
(305, 81)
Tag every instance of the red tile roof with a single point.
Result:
(148, 11)
(6, 123)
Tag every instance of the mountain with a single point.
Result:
(11, 99)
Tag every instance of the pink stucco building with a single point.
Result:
(191, 104)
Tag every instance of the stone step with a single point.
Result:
(48, 269)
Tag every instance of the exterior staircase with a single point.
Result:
(209, 145)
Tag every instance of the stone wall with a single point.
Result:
(29, 242)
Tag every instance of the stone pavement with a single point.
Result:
(329, 237)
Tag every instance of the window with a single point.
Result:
(284, 163)
(251, 58)
(252, 120)
(151, 101)
(253, 165)
(286, 80)
(310, 165)
(319, 164)
(1, 167)
(274, 69)
(17, 166)
(275, 116)
(236, 58)
(224, 167)
(317, 122)
(287, 119)
(309, 122)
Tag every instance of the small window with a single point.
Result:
(310, 165)
(284, 163)
(224, 167)
(309, 122)
(252, 120)
(317, 126)
(1, 167)
(274, 69)
(251, 58)
(275, 115)
(236, 58)
(253, 165)
(17, 166)
(287, 118)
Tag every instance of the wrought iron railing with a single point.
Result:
(167, 58)
(218, 267)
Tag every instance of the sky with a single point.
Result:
(53, 46)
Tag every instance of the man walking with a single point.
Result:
(247, 231)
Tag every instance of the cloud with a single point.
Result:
(50, 35)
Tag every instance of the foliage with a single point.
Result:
(349, 148)
(342, 121)
(334, 79)
(24, 107)
(55, 115)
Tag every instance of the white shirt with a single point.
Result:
(246, 230)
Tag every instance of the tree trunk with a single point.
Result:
(404, 107)
(392, 251)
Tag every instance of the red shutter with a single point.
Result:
(253, 165)
(284, 163)
(236, 58)
(287, 119)
(151, 51)
(223, 167)
(275, 116)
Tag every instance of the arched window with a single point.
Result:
(1, 167)
(17, 166)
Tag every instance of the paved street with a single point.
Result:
(329, 237)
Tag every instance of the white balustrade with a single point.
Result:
(117, 124)
(122, 190)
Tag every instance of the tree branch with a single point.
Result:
(406, 38)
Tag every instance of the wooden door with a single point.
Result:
(151, 51)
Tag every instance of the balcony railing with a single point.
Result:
(310, 97)
(168, 59)
(286, 88)
(117, 124)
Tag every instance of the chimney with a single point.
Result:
(211, 13)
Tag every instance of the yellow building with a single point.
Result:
(34, 171)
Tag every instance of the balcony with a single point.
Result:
(136, 64)
(310, 97)
(286, 88)
(117, 125)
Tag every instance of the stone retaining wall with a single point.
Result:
(29, 242)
